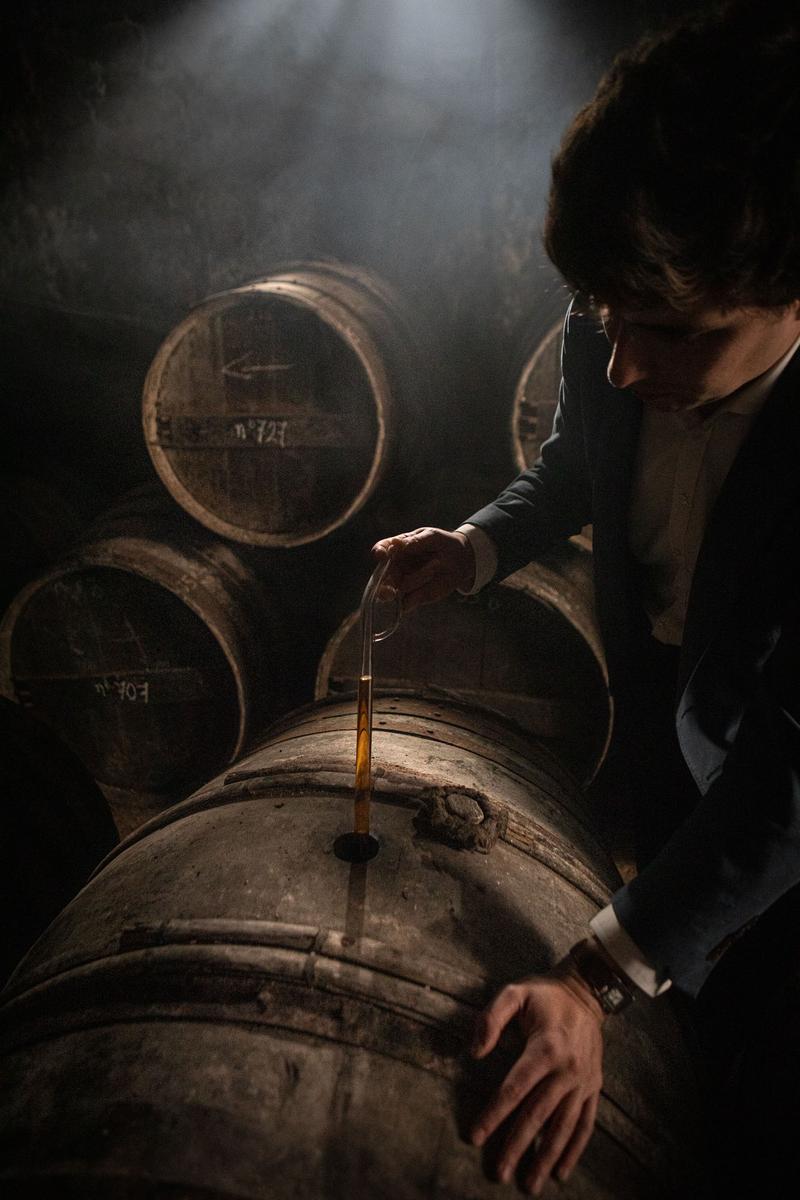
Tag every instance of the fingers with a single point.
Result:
(562, 1121)
(390, 546)
(403, 544)
(406, 551)
(550, 1095)
(558, 1133)
(543, 1097)
(514, 1092)
(579, 1138)
(426, 564)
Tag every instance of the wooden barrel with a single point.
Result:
(528, 647)
(535, 397)
(235, 1012)
(152, 649)
(274, 410)
(55, 826)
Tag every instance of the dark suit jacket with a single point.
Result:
(738, 703)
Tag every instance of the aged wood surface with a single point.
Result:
(233, 1009)
(273, 411)
(535, 398)
(150, 653)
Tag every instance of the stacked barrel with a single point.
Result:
(232, 1010)
(290, 422)
(189, 615)
(275, 411)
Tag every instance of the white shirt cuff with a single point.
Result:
(620, 946)
(485, 552)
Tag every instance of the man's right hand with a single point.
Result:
(550, 1096)
(427, 564)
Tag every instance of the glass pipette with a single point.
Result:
(360, 845)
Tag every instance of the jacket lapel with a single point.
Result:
(620, 613)
(741, 530)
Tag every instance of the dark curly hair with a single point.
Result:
(680, 182)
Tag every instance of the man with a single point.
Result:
(674, 216)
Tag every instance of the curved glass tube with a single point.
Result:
(363, 780)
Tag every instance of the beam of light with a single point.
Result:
(202, 146)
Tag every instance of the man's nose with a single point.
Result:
(625, 366)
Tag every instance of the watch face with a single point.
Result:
(615, 997)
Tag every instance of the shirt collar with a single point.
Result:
(747, 400)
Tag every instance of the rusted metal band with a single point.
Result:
(511, 826)
(544, 772)
(233, 982)
(326, 779)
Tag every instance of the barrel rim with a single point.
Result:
(543, 347)
(300, 294)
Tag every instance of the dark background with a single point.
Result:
(157, 153)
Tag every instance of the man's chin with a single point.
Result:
(665, 401)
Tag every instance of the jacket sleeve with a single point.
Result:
(739, 850)
(551, 500)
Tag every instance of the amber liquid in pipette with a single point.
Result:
(363, 755)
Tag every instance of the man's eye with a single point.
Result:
(668, 333)
(679, 335)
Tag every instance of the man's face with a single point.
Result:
(675, 361)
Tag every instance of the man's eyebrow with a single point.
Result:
(669, 326)
(680, 325)
(672, 327)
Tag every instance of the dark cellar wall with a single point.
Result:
(157, 153)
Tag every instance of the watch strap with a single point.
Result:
(610, 988)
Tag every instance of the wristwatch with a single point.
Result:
(610, 988)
